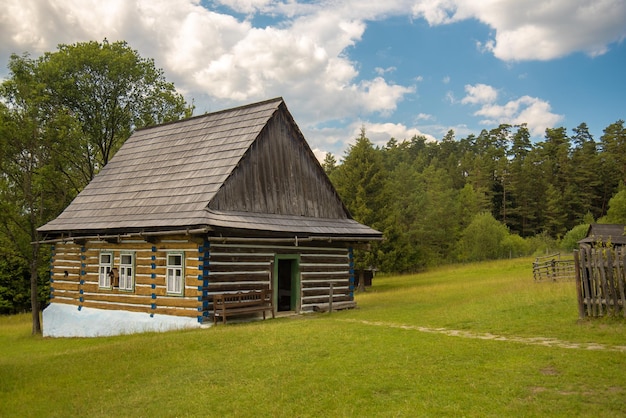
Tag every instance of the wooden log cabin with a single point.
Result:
(220, 203)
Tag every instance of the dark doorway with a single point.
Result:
(285, 285)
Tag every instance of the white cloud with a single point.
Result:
(302, 56)
(536, 29)
(209, 54)
(246, 6)
(536, 113)
(479, 93)
(382, 71)
(333, 139)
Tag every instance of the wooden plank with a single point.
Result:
(115, 306)
(145, 301)
(326, 275)
(61, 293)
(593, 274)
(612, 286)
(188, 312)
(579, 293)
(120, 298)
(240, 258)
(216, 269)
(324, 299)
(588, 273)
(72, 274)
(73, 302)
(597, 283)
(64, 285)
(325, 291)
(226, 287)
(261, 276)
(621, 277)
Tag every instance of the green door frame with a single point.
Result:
(295, 281)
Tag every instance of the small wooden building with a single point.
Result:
(220, 203)
(605, 234)
(601, 271)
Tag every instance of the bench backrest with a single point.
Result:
(251, 298)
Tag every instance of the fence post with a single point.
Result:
(581, 307)
(331, 297)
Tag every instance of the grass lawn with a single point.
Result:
(472, 340)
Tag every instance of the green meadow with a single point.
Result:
(469, 340)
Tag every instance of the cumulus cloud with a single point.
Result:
(246, 6)
(536, 29)
(223, 60)
(535, 112)
(382, 71)
(479, 93)
(301, 57)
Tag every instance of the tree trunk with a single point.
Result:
(34, 294)
(361, 280)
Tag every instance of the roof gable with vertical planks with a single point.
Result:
(244, 168)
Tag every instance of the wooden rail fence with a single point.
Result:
(551, 267)
(601, 281)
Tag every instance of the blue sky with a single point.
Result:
(398, 68)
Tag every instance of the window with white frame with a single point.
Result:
(175, 278)
(106, 266)
(127, 271)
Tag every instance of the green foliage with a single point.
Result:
(428, 193)
(62, 117)
(617, 209)
(14, 284)
(360, 181)
(542, 244)
(110, 90)
(571, 238)
(330, 164)
(514, 246)
(484, 239)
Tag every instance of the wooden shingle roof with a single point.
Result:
(605, 233)
(193, 173)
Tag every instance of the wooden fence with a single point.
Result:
(552, 267)
(600, 281)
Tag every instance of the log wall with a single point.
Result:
(239, 267)
(211, 265)
(74, 276)
(601, 281)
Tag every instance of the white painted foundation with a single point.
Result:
(60, 320)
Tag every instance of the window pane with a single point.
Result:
(126, 259)
(175, 260)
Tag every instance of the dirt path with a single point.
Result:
(546, 342)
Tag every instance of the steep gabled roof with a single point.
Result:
(187, 174)
(605, 233)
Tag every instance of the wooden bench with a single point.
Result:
(241, 303)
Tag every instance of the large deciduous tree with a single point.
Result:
(110, 90)
(63, 116)
(29, 194)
